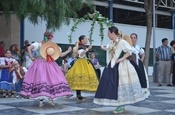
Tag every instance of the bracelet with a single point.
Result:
(87, 49)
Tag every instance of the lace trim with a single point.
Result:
(43, 87)
(127, 94)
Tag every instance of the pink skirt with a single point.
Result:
(45, 80)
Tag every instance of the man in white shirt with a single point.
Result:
(18, 76)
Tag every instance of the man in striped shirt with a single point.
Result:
(164, 54)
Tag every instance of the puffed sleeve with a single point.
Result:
(79, 52)
(126, 47)
(36, 46)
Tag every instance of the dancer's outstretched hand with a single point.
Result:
(69, 49)
(90, 47)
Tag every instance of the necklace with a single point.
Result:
(113, 46)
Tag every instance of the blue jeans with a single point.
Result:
(18, 86)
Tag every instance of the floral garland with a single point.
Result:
(113, 47)
(95, 17)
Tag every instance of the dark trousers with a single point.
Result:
(18, 86)
(173, 72)
(98, 72)
(78, 92)
(173, 78)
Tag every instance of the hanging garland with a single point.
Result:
(95, 17)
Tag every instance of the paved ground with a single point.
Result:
(161, 102)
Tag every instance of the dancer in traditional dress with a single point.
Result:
(119, 84)
(6, 74)
(82, 76)
(44, 78)
(140, 55)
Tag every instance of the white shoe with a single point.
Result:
(50, 101)
(17, 96)
(41, 104)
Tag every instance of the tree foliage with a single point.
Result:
(54, 12)
(96, 17)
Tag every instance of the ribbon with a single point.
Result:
(48, 57)
(46, 39)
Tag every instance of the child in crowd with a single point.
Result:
(6, 74)
(18, 76)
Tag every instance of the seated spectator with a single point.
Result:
(96, 64)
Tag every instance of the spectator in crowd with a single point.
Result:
(24, 49)
(96, 64)
(18, 76)
(65, 64)
(2, 51)
(6, 74)
(14, 52)
(71, 59)
(28, 61)
(164, 54)
(173, 61)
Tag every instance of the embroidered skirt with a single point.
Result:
(82, 76)
(45, 80)
(6, 80)
(119, 86)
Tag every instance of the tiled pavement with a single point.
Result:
(161, 102)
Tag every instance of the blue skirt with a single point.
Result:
(6, 80)
(108, 86)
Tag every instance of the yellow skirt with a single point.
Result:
(82, 76)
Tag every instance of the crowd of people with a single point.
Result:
(33, 73)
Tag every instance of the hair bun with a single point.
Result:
(47, 34)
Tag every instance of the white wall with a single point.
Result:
(35, 33)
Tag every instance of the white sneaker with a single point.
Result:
(50, 101)
(41, 104)
(17, 96)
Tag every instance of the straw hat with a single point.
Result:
(128, 39)
(50, 49)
